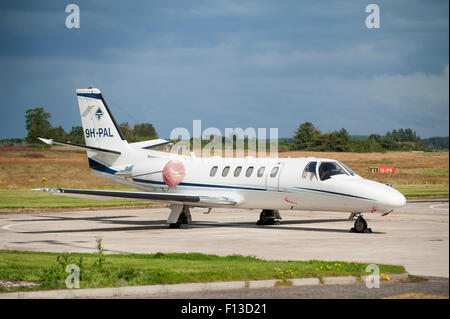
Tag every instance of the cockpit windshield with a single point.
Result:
(348, 169)
(328, 169)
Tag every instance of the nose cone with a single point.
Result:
(394, 198)
(388, 198)
(385, 198)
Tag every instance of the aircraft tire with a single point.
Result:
(360, 225)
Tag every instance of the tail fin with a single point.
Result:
(101, 131)
(99, 127)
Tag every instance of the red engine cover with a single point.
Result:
(173, 173)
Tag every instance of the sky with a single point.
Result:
(247, 64)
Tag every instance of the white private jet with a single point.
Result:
(267, 184)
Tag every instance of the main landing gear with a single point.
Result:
(180, 217)
(360, 224)
(269, 217)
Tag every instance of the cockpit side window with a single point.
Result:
(310, 171)
(328, 169)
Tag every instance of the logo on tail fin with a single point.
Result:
(99, 114)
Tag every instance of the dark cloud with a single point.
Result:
(230, 64)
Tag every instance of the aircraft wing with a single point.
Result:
(147, 196)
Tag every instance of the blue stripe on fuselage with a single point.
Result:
(104, 169)
(100, 167)
(334, 193)
(199, 185)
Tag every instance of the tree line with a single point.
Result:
(308, 137)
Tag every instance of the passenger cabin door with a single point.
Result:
(273, 177)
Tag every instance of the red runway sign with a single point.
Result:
(382, 169)
(388, 170)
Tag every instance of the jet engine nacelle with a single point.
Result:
(151, 170)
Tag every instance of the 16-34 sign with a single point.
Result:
(383, 169)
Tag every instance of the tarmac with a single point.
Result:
(416, 236)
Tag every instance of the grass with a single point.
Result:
(27, 199)
(172, 268)
(422, 191)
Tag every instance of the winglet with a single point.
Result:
(48, 190)
(46, 140)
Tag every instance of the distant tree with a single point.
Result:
(412, 136)
(126, 130)
(403, 135)
(306, 136)
(437, 143)
(57, 133)
(386, 142)
(144, 131)
(376, 138)
(403, 139)
(76, 135)
(336, 141)
(37, 123)
(366, 146)
(320, 143)
(340, 141)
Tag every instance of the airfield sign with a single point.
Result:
(382, 169)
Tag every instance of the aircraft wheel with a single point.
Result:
(361, 226)
(269, 217)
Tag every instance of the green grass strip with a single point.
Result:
(31, 199)
(423, 191)
(99, 270)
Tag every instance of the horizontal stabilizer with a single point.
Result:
(149, 144)
(92, 148)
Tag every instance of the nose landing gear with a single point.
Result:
(269, 217)
(360, 224)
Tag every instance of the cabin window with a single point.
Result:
(310, 171)
(328, 169)
(261, 171)
(213, 171)
(225, 171)
(237, 171)
(249, 171)
(274, 171)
